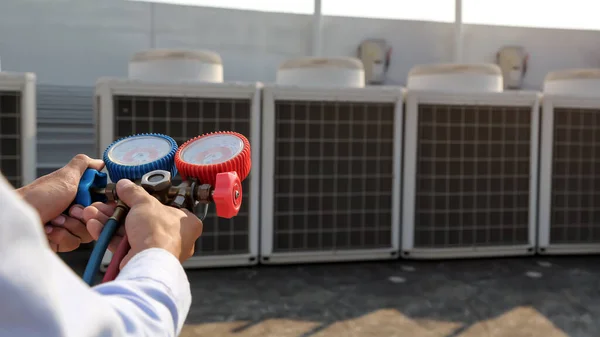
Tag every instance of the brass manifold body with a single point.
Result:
(158, 183)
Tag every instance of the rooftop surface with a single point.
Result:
(537, 296)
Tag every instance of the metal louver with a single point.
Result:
(65, 125)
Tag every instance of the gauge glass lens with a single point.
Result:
(139, 150)
(214, 149)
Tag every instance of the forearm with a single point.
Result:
(39, 199)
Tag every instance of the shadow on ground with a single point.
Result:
(547, 297)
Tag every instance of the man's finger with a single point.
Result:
(94, 227)
(76, 211)
(74, 226)
(98, 211)
(107, 208)
(132, 194)
(77, 228)
(81, 162)
(96, 164)
(66, 241)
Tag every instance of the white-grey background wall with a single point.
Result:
(73, 42)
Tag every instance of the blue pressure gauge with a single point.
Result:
(132, 157)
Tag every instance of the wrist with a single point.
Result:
(22, 191)
(26, 194)
(162, 241)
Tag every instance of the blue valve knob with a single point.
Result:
(91, 179)
(133, 156)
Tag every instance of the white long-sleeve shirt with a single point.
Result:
(42, 296)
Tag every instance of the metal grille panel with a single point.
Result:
(183, 118)
(10, 137)
(575, 216)
(333, 176)
(65, 125)
(473, 176)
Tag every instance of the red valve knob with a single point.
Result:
(205, 156)
(227, 194)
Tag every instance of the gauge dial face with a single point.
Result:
(213, 149)
(139, 150)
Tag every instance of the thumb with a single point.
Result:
(132, 194)
(81, 162)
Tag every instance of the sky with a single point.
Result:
(571, 14)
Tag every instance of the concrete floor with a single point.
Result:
(546, 297)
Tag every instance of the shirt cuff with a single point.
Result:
(154, 275)
(159, 265)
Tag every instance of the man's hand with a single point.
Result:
(67, 233)
(149, 224)
(52, 194)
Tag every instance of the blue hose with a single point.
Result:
(93, 265)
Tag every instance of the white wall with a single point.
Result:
(549, 49)
(73, 42)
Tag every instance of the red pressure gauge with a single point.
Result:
(221, 159)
